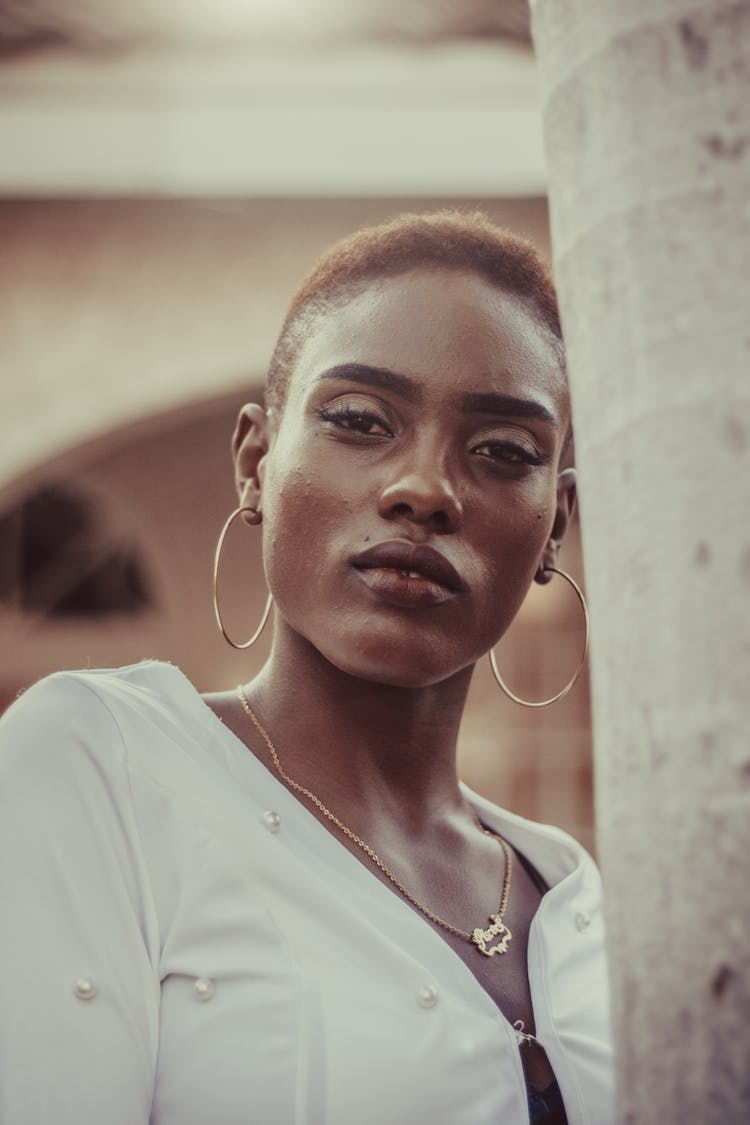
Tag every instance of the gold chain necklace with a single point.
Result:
(478, 937)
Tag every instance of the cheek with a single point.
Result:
(514, 552)
(521, 529)
(299, 520)
(287, 500)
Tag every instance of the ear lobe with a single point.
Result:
(566, 503)
(250, 443)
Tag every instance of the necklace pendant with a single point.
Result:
(497, 929)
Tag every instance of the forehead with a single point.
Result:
(450, 330)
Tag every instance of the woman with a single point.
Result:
(279, 904)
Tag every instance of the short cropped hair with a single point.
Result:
(447, 239)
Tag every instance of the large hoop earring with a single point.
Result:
(581, 662)
(215, 588)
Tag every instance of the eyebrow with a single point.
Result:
(374, 377)
(508, 405)
(487, 403)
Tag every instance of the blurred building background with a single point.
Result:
(167, 176)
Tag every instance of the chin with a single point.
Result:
(383, 664)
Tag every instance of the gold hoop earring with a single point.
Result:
(581, 662)
(215, 591)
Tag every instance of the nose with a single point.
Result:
(421, 491)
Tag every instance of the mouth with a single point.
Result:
(409, 575)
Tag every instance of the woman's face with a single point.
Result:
(410, 486)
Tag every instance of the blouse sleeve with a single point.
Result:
(78, 937)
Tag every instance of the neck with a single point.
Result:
(358, 744)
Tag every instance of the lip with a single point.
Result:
(407, 574)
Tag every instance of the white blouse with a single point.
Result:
(183, 943)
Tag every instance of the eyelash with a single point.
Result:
(356, 420)
(519, 454)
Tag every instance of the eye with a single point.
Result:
(357, 417)
(506, 452)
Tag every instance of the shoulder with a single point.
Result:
(90, 712)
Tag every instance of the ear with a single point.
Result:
(250, 443)
(566, 502)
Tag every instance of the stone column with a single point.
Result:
(647, 121)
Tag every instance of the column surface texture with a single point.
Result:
(647, 123)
